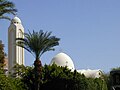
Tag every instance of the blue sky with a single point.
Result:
(89, 30)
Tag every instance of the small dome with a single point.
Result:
(62, 59)
(16, 20)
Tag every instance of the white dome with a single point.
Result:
(91, 73)
(16, 20)
(62, 59)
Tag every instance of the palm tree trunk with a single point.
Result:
(37, 71)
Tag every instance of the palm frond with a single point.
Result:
(6, 7)
(5, 17)
(7, 4)
(8, 11)
(38, 43)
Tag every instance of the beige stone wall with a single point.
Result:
(6, 63)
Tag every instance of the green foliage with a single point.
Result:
(20, 70)
(6, 7)
(107, 80)
(117, 68)
(19, 85)
(96, 84)
(53, 78)
(25, 75)
(8, 83)
(61, 78)
(5, 83)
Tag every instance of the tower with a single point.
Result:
(15, 53)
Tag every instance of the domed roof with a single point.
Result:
(16, 20)
(62, 59)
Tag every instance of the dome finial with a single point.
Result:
(16, 20)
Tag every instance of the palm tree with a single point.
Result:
(6, 7)
(38, 43)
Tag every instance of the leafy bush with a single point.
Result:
(61, 78)
(8, 83)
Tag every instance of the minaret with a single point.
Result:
(15, 53)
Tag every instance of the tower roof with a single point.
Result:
(62, 59)
(16, 20)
